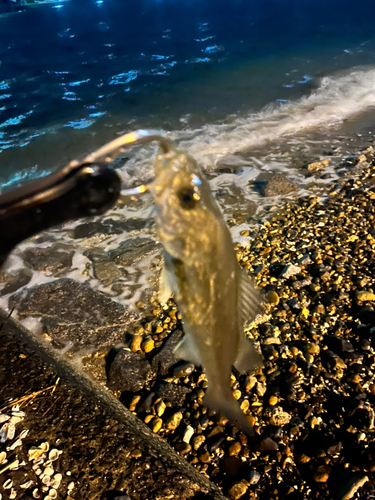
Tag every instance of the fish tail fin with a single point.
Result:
(228, 406)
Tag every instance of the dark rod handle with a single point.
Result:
(89, 189)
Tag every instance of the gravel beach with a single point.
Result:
(311, 405)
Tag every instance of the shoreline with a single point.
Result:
(312, 403)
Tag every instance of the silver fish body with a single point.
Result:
(214, 296)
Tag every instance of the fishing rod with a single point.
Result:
(80, 189)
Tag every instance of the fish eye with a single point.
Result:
(187, 197)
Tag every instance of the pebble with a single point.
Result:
(56, 480)
(48, 471)
(148, 345)
(254, 477)
(7, 432)
(365, 296)
(183, 448)
(174, 421)
(160, 408)
(271, 341)
(290, 270)
(136, 343)
(313, 348)
(188, 434)
(321, 477)
(136, 453)
(183, 370)
(277, 416)
(237, 394)
(273, 400)
(251, 381)
(322, 474)
(238, 490)
(198, 441)
(318, 165)
(134, 402)
(267, 444)
(272, 298)
(234, 449)
(261, 389)
(54, 454)
(156, 424)
(205, 458)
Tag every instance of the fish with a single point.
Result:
(214, 296)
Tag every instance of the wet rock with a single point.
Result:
(107, 227)
(234, 449)
(89, 229)
(297, 285)
(129, 371)
(254, 477)
(338, 344)
(331, 360)
(106, 272)
(188, 434)
(21, 279)
(146, 404)
(267, 444)
(183, 370)
(51, 259)
(277, 416)
(305, 260)
(172, 393)
(334, 449)
(133, 250)
(231, 465)
(318, 165)
(238, 490)
(272, 298)
(278, 185)
(165, 358)
(198, 441)
(215, 442)
(174, 421)
(364, 296)
(321, 477)
(290, 270)
(72, 311)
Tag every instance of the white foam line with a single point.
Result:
(336, 99)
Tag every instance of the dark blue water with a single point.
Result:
(74, 77)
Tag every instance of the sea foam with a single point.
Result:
(335, 99)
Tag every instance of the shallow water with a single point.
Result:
(248, 89)
(73, 78)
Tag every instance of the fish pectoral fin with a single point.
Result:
(248, 357)
(165, 290)
(248, 298)
(185, 350)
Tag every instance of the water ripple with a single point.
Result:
(123, 78)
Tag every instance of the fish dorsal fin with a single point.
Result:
(248, 298)
(165, 290)
(248, 357)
